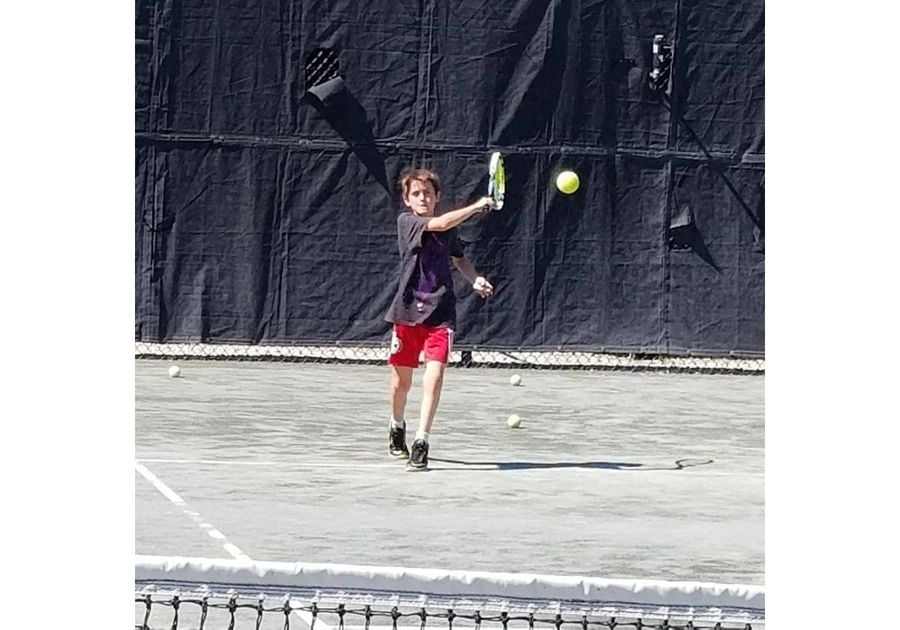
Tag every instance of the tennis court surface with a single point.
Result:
(612, 475)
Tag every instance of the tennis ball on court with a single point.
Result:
(513, 421)
(515, 379)
(174, 371)
(567, 182)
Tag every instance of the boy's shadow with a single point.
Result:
(679, 464)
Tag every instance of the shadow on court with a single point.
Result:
(679, 464)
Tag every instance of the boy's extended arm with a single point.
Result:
(478, 283)
(455, 217)
(466, 268)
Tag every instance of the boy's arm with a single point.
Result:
(453, 218)
(479, 283)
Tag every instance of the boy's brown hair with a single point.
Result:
(420, 174)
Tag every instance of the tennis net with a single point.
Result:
(201, 593)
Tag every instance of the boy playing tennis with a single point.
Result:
(424, 309)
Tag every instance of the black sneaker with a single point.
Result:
(398, 442)
(419, 458)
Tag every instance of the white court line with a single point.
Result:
(226, 462)
(442, 465)
(159, 485)
(170, 494)
(231, 548)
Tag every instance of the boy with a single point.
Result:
(424, 310)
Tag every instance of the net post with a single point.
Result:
(176, 601)
(309, 616)
(286, 609)
(148, 602)
(232, 607)
(259, 611)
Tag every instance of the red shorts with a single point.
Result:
(408, 342)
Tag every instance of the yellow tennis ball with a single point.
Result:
(567, 182)
(174, 371)
(514, 421)
(515, 379)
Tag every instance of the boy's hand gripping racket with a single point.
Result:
(497, 180)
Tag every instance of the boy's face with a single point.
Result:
(421, 198)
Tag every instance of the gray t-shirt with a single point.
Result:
(425, 292)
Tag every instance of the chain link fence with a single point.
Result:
(558, 359)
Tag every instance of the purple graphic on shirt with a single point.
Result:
(434, 266)
(425, 291)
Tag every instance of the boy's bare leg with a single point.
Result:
(432, 384)
(401, 381)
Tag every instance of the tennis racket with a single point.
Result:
(497, 179)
